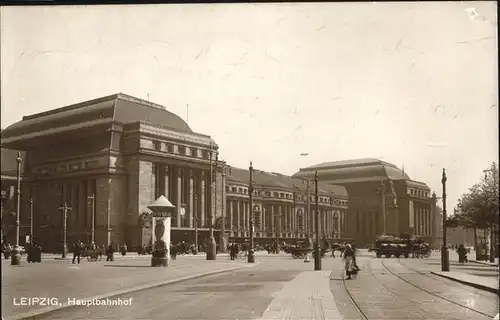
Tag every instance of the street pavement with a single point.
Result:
(279, 287)
(62, 280)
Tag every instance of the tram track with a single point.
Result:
(363, 314)
(360, 311)
(444, 280)
(431, 293)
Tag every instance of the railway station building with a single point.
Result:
(281, 208)
(107, 159)
(374, 187)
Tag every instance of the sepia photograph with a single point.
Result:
(250, 161)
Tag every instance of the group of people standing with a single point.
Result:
(80, 249)
(236, 248)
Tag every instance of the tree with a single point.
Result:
(479, 207)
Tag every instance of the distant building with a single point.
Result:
(408, 203)
(281, 208)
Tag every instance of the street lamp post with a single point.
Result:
(195, 221)
(382, 199)
(251, 254)
(211, 245)
(31, 220)
(445, 258)
(223, 244)
(317, 253)
(65, 209)
(310, 221)
(16, 253)
(92, 199)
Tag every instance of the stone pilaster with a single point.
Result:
(238, 215)
(166, 183)
(190, 197)
(231, 215)
(201, 197)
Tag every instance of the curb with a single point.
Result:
(47, 310)
(484, 263)
(471, 284)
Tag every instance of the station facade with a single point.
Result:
(374, 187)
(107, 159)
(284, 208)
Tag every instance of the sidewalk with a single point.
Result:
(483, 283)
(308, 296)
(486, 263)
(63, 281)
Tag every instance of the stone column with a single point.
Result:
(201, 197)
(231, 226)
(418, 220)
(166, 190)
(178, 173)
(433, 224)
(246, 216)
(190, 197)
(287, 218)
(342, 224)
(427, 214)
(238, 214)
(273, 223)
(280, 225)
(263, 219)
(328, 221)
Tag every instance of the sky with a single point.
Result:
(413, 84)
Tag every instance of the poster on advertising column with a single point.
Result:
(411, 214)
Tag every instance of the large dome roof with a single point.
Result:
(356, 170)
(117, 108)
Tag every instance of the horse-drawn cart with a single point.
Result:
(299, 253)
(93, 255)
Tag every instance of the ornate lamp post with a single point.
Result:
(162, 215)
(16, 253)
(31, 220)
(65, 210)
(317, 253)
(445, 258)
(251, 254)
(195, 221)
(382, 199)
(211, 245)
(92, 201)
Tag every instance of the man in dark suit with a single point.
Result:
(77, 251)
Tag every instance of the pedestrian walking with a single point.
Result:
(110, 253)
(77, 251)
(349, 261)
(173, 251)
